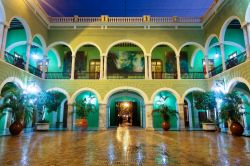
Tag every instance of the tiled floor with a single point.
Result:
(124, 147)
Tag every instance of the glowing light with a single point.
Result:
(126, 104)
(36, 57)
(216, 55)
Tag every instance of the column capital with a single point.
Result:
(5, 24)
(104, 55)
(245, 24)
(181, 104)
(29, 43)
(148, 55)
(148, 104)
(177, 55)
(73, 56)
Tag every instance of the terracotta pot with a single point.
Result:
(16, 128)
(165, 126)
(236, 129)
(83, 123)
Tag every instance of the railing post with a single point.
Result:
(246, 32)
(222, 49)
(4, 39)
(178, 67)
(73, 66)
(29, 44)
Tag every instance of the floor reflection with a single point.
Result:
(124, 147)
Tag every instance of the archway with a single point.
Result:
(87, 63)
(168, 99)
(126, 108)
(125, 61)
(6, 117)
(18, 37)
(244, 92)
(234, 43)
(191, 53)
(59, 61)
(214, 57)
(163, 62)
(87, 97)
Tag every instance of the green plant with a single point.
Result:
(166, 113)
(20, 104)
(83, 108)
(231, 106)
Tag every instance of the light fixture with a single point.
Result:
(216, 52)
(31, 88)
(219, 86)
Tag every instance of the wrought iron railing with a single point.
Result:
(35, 71)
(193, 75)
(57, 75)
(16, 61)
(136, 75)
(236, 60)
(164, 75)
(215, 71)
(87, 75)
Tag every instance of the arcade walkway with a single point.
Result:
(124, 147)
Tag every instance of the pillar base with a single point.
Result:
(149, 129)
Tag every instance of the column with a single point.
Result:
(105, 66)
(149, 116)
(149, 67)
(5, 32)
(223, 56)
(246, 39)
(101, 67)
(2, 33)
(248, 35)
(73, 67)
(181, 116)
(70, 117)
(178, 67)
(44, 63)
(29, 44)
(207, 63)
(146, 67)
(102, 117)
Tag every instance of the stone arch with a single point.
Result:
(247, 16)
(60, 43)
(119, 89)
(40, 37)
(192, 43)
(209, 39)
(230, 85)
(57, 56)
(126, 41)
(225, 25)
(25, 25)
(164, 43)
(89, 43)
(191, 90)
(61, 91)
(73, 97)
(176, 94)
(14, 80)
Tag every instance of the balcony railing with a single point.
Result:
(193, 75)
(35, 71)
(107, 19)
(215, 71)
(236, 60)
(16, 61)
(163, 75)
(87, 75)
(57, 75)
(137, 75)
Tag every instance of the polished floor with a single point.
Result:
(124, 147)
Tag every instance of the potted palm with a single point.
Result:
(47, 103)
(207, 101)
(231, 112)
(166, 113)
(21, 106)
(82, 110)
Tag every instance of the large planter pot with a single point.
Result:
(208, 127)
(236, 129)
(16, 128)
(165, 126)
(42, 126)
(82, 123)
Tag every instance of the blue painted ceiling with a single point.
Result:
(125, 8)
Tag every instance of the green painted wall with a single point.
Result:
(91, 53)
(171, 103)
